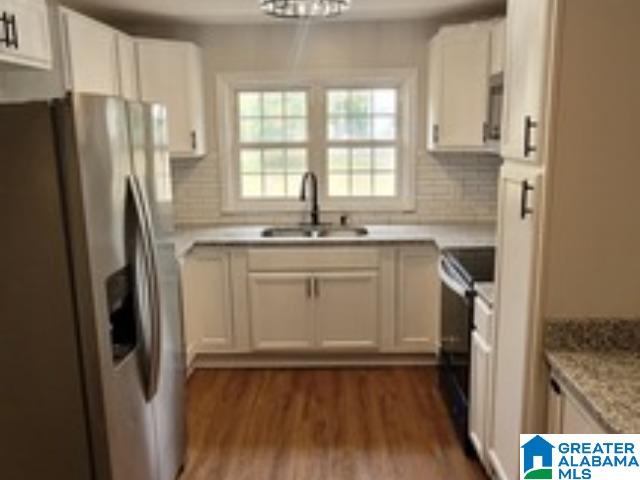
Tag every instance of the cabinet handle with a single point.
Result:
(14, 28)
(194, 140)
(6, 29)
(316, 287)
(436, 133)
(529, 125)
(524, 200)
(309, 286)
(485, 132)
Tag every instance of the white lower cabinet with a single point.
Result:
(480, 392)
(207, 302)
(281, 310)
(314, 311)
(346, 310)
(418, 299)
(566, 415)
(311, 299)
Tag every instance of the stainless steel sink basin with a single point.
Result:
(343, 232)
(309, 231)
(287, 232)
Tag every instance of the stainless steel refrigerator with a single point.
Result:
(92, 367)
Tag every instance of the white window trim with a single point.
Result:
(405, 80)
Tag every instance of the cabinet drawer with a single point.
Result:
(328, 258)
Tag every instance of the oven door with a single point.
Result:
(456, 325)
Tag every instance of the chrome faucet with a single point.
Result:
(314, 211)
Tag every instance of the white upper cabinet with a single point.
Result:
(459, 88)
(498, 46)
(98, 59)
(170, 73)
(127, 67)
(91, 54)
(525, 74)
(24, 33)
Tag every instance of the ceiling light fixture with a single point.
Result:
(304, 8)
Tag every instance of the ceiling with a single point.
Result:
(246, 11)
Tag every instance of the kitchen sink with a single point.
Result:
(310, 231)
(287, 232)
(343, 232)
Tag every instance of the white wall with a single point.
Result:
(451, 188)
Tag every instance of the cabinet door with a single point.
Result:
(92, 55)
(29, 36)
(518, 217)
(528, 28)
(281, 311)
(463, 91)
(207, 302)
(127, 67)
(346, 310)
(575, 420)
(479, 394)
(498, 46)
(418, 300)
(171, 73)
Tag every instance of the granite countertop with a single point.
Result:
(486, 291)
(599, 362)
(443, 235)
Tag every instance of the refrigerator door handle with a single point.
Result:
(154, 362)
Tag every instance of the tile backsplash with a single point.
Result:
(449, 188)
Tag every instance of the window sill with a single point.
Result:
(399, 205)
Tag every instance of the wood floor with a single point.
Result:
(387, 424)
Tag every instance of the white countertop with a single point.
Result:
(454, 235)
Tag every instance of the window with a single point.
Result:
(354, 132)
(362, 127)
(273, 131)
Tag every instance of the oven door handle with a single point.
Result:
(450, 281)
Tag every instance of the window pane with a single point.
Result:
(250, 105)
(251, 161)
(385, 159)
(384, 185)
(273, 130)
(361, 184)
(296, 129)
(272, 104)
(274, 160)
(339, 185)
(361, 159)
(274, 186)
(384, 101)
(338, 100)
(296, 104)
(296, 160)
(294, 184)
(338, 159)
(338, 129)
(384, 128)
(360, 103)
(251, 186)
(360, 128)
(250, 130)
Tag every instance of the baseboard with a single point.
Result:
(257, 361)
